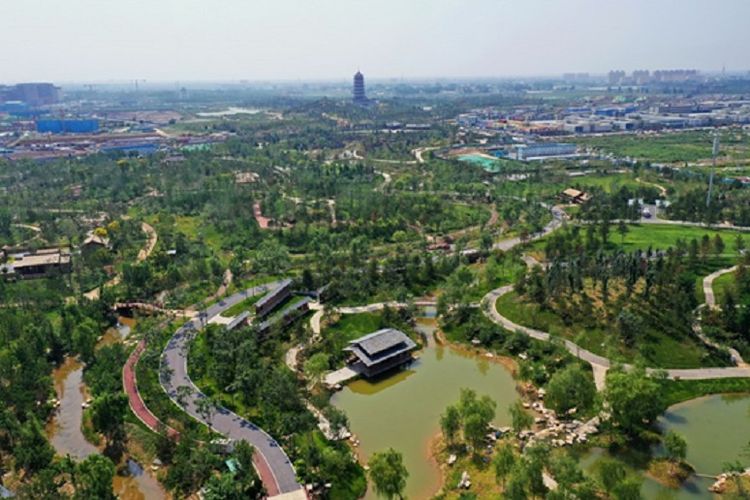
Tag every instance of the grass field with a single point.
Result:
(721, 285)
(608, 183)
(656, 348)
(663, 236)
(670, 147)
(676, 391)
(351, 326)
(240, 307)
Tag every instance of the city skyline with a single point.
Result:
(84, 40)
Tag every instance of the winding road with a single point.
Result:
(272, 463)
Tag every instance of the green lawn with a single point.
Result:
(669, 147)
(608, 183)
(656, 347)
(663, 236)
(676, 391)
(351, 326)
(245, 305)
(721, 285)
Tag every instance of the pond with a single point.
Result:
(716, 429)
(64, 429)
(488, 163)
(402, 411)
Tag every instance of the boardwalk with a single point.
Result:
(272, 463)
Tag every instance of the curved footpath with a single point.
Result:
(598, 363)
(130, 384)
(273, 465)
(710, 302)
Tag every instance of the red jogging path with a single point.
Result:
(276, 483)
(130, 384)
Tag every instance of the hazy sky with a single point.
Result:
(170, 40)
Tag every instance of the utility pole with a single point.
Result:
(714, 154)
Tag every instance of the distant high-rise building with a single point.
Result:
(33, 94)
(358, 92)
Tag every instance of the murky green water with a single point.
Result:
(717, 430)
(403, 410)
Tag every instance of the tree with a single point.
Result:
(635, 399)
(520, 420)
(336, 418)
(93, 479)
(476, 415)
(735, 470)
(108, 416)
(205, 406)
(32, 451)
(629, 324)
(5, 223)
(388, 473)
(739, 244)
(223, 487)
(316, 366)
(450, 424)
(536, 286)
(485, 241)
(622, 228)
(675, 446)
(718, 245)
(271, 257)
(565, 471)
(610, 473)
(183, 392)
(515, 489)
(570, 388)
(628, 489)
(503, 463)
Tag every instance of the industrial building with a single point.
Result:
(67, 126)
(542, 150)
(33, 94)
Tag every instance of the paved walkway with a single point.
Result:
(708, 285)
(340, 376)
(600, 364)
(710, 302)
(272, 463)
(130, 384)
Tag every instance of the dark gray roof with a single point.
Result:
(273, 293)
(380, 345)
(284, 314)
(237, 320)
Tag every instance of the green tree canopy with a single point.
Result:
(388, 473)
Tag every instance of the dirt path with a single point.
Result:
(661, 188)
(418, 152)
(263, 222)
(144, 253)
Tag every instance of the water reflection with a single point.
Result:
(403, 411)
(64, 430)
